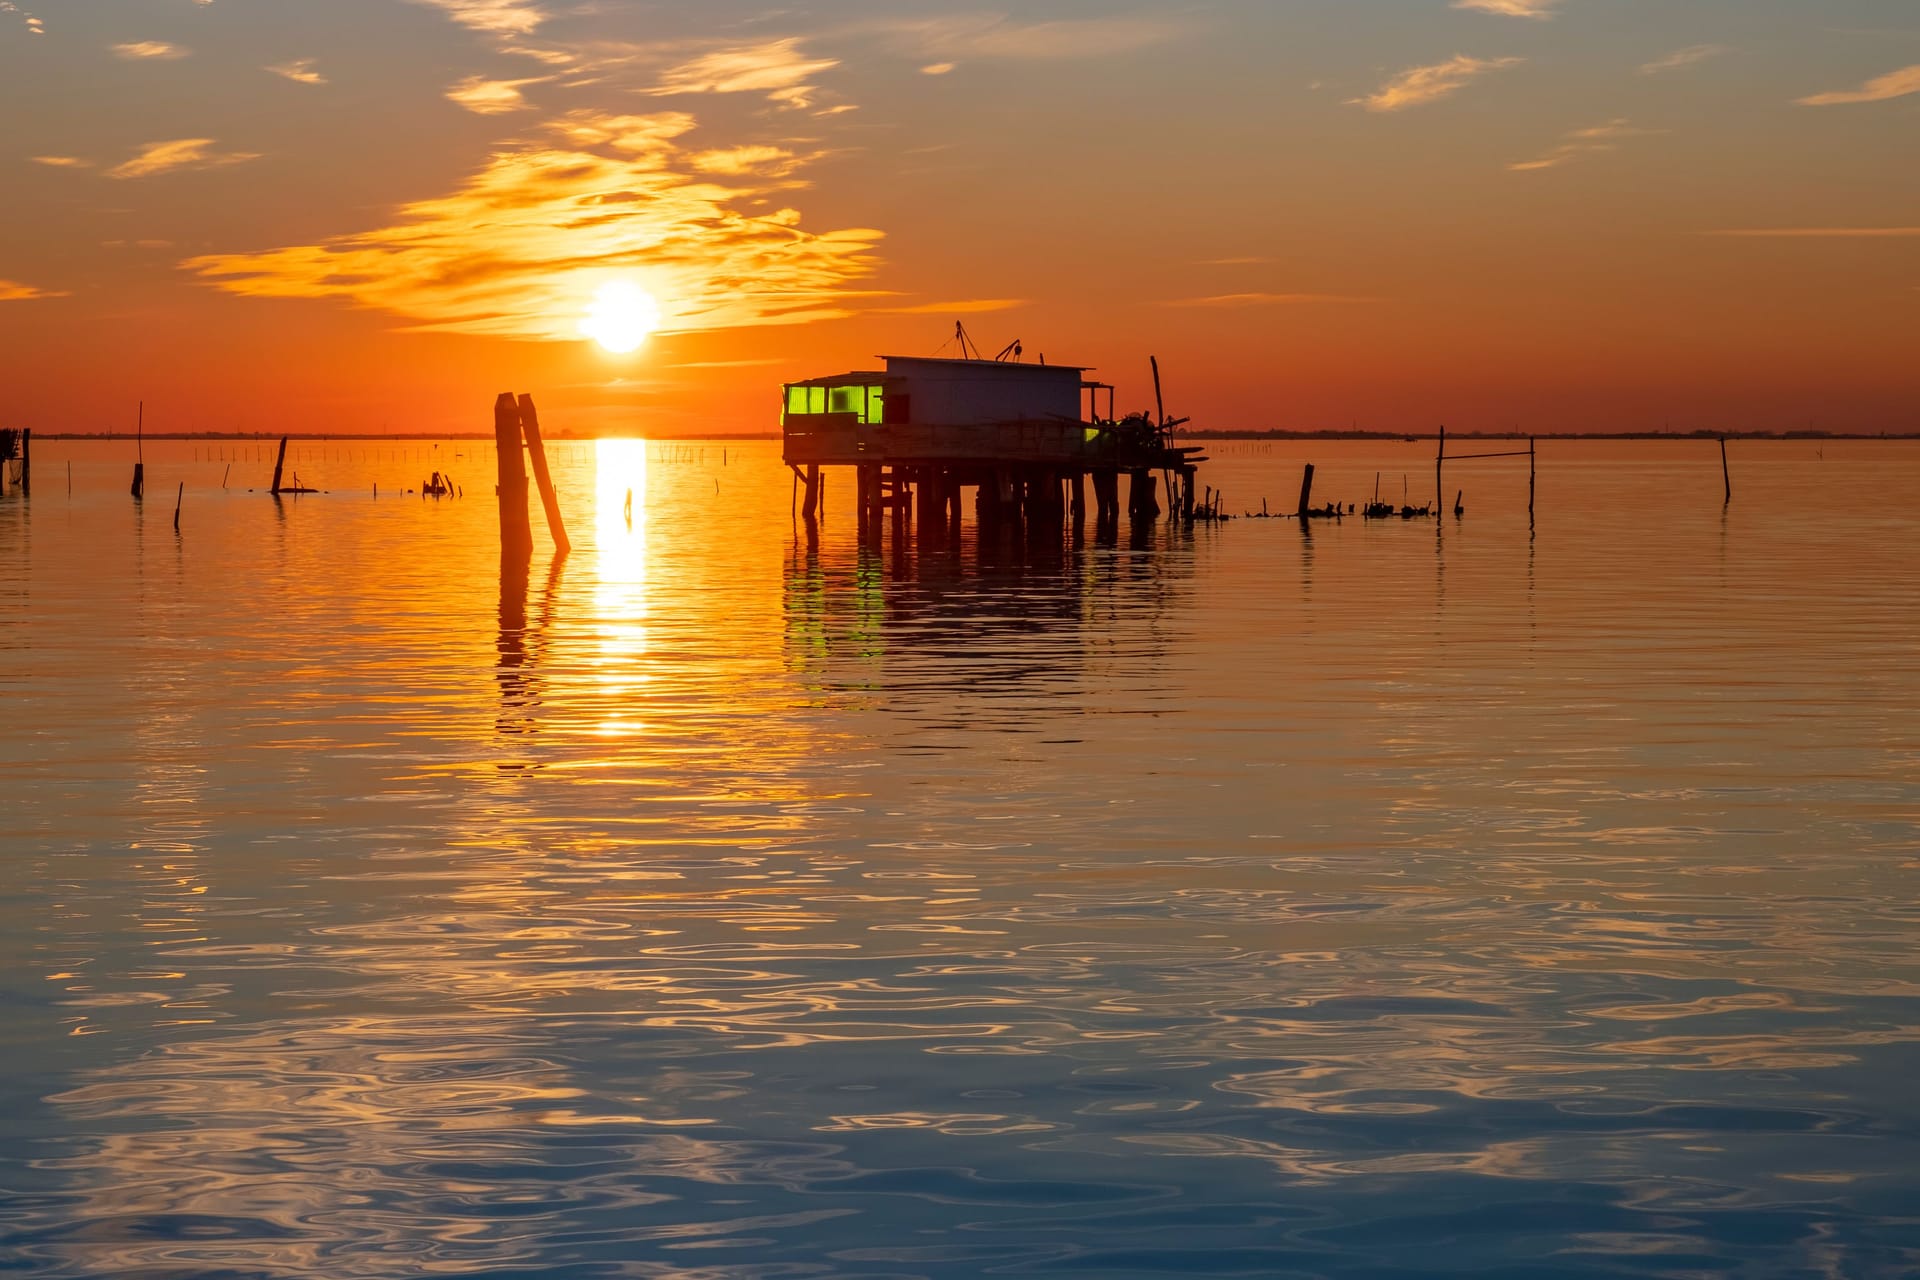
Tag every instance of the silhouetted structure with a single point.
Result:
(1025, 437)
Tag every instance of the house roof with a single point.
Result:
(1003, 365)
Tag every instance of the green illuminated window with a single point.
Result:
(796, 399)
(816, 399)
(872, 417)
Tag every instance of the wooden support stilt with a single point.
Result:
(1143, 503)
(1079, 499)
(26, 462)
(516, 530)
(810, 505)
(1439, 462)
(537, 454)
(279, 465)
(1531, 472)
(1186, 494)
(140, 463)
(1726, 476)
(1306, 494)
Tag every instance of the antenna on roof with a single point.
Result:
(968, 351)
(1013, 349)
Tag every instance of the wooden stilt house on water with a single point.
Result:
(923, 429)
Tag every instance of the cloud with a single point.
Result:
(1821, 233)
(760, 161)
(776, 68)
(181, 153)
(1510, 8)
(1681, 59)
(154, 50)
(937, 68)
(521, 248)
(1235, 300)
(300, 71)
(491, 97)
(1421, 85)
(996, 35)
(63, 162)
(34, 25)
(1894, 84)
(1585, 142)
(965, 307)
(500, 17)
(1234, 262)
(14, 291)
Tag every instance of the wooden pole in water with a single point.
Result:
(178, 495)
(1439, 463)
(537, 451)
(516, 530)
(1726, 476)
(1306, 492)
(279, 465)
(140, 455)
(1531, 445)
(26, 461)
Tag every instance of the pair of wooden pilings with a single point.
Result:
(516, 423)
(20, 442)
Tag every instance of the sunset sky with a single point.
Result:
(357, 215)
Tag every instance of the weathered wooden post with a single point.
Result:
(1726, 476)
(1439, 463)
(26, 462)
(516, 530)
(537, 451)
(1306, 493)
(810, 507)
(182, 493)
(279, 464)
(1531, 443)
(140, 457)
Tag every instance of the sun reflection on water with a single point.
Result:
(620, 573)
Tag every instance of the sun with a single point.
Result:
(621, 317)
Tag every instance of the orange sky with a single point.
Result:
(375, 214)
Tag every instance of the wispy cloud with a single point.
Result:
(521, 248)
(14, 291)
(1681, 59)
(1233, 262)
(1585, 142)
(63, 162)
(1895, 84)
(1235, 300)
(1420, 85)
(1510, 8)
(491, 97)
(960, 37)
(500, 17)
(1820, 233)
(180, 153)
(964, 307)
(750, 161)
(777, 68)
(300, 71)
(33, 24)
(149, 50)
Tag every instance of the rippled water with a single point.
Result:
(1389, 902)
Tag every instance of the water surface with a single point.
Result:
(1402, 899)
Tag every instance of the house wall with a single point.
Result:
(954, 394)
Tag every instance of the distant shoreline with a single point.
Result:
(257, 436)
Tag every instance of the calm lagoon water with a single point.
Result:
(1393, 901)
